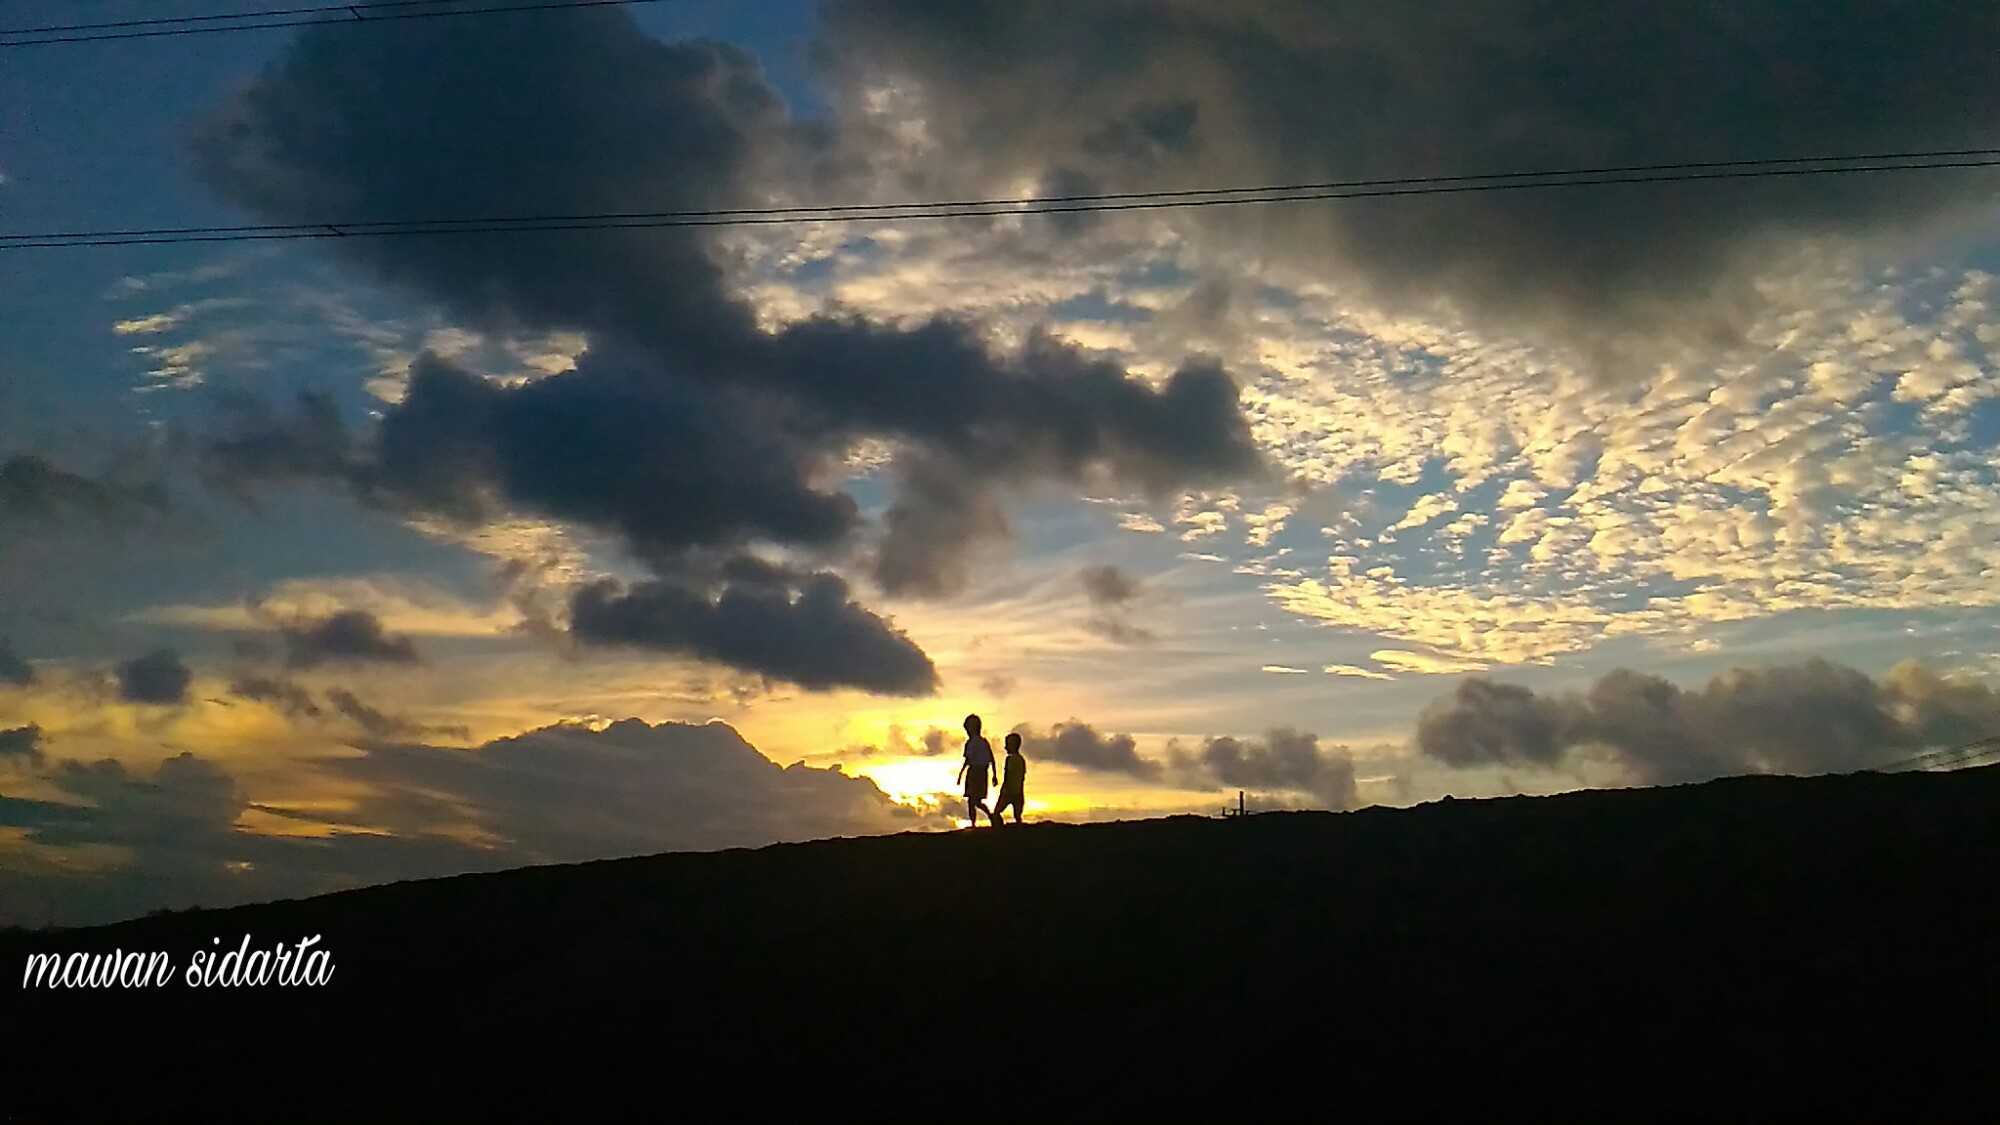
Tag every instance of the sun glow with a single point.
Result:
(911, 780)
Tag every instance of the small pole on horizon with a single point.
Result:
(1240, 810)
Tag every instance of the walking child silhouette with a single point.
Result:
(974, 770)
(1014, 785)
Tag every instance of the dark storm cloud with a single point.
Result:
(1284, 759)
(1080, 744)
(819, 638)
(157, 677)
(21, 742)
(687, 428)
(557, 794)
(669, 464)
(352, 636)
(13, 669)
(1803, 718)
(1188, 93)
(33, 489)
(562, 113)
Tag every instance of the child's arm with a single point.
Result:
(961, 773)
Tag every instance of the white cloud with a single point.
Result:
(1404, 661)
(1355, 672)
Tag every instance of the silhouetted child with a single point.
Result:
(1014, 786)
(978, 763)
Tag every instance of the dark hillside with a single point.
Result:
(1754, 947)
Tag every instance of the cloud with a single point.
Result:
(1285, 759)
(33, 489)
(1113, 590)
(283, 694)
(933, 742)
(1355, 672)
(265, 446)
(1427, 663)
(1079, 744)
(567, 793)
(1186, 94)
(942, 520)
(351, 636)
(1285, 670)
(157, 677)
(562, 793)
(1813, 717)
(298, 703)
(688, 429)
(13, 669)
(21, 742)
(815, 637)
(1119, 631)
(1714, 493)
(187, 804)
(1108, 585)
(380, 724)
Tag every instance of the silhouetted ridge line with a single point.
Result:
(1039, 205)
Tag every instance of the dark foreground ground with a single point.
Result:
(1751, 948)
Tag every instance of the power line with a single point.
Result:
(362, 226)
(346, 15)
(1045, 205)
(1950, 757)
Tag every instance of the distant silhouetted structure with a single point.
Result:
(974, 770)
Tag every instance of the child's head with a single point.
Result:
(972, 724)
(1014, 742)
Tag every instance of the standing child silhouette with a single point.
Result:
(978, 763)
(1014, 786)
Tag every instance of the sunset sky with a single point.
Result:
(338, 561)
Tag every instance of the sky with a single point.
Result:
(330, 562)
